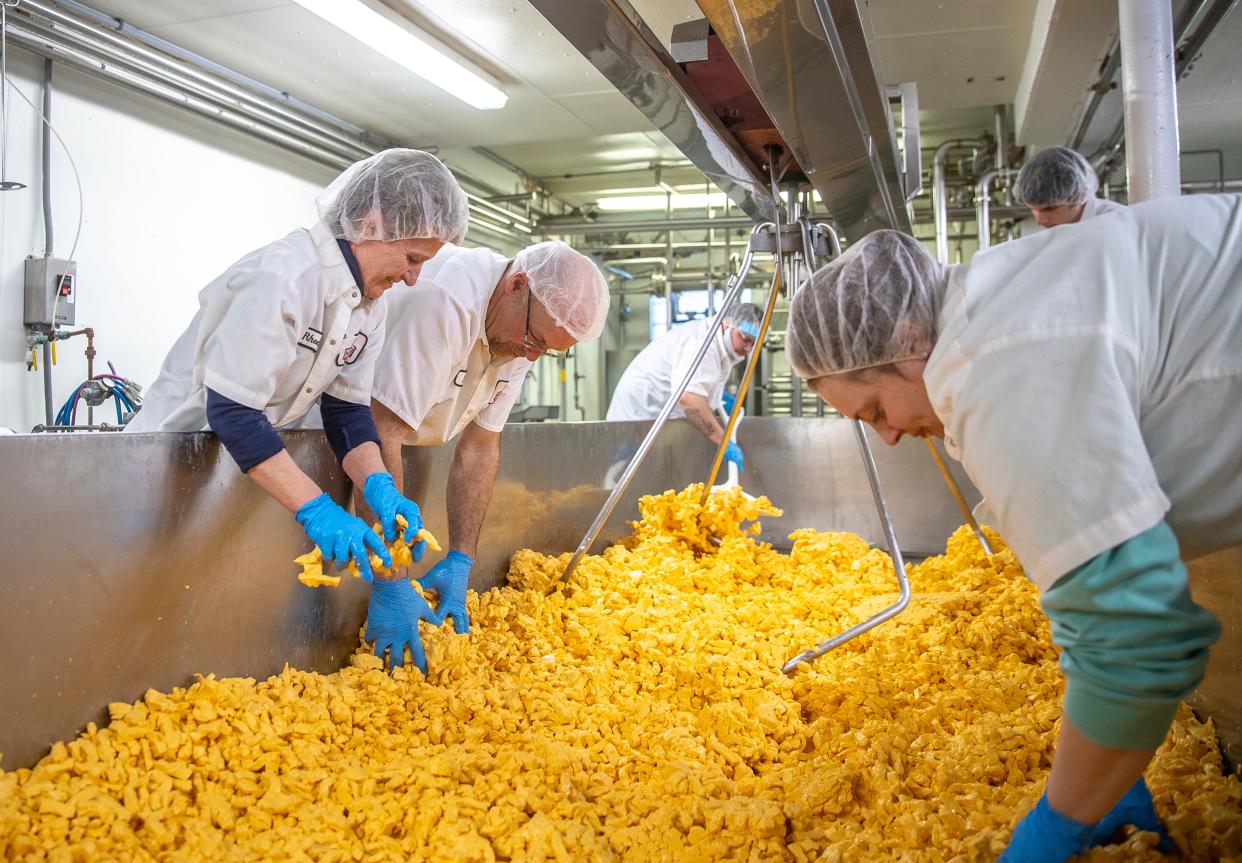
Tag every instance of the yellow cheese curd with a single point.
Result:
(635, 712)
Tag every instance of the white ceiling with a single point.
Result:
(564, 117)
(962, 53)
(554, 93)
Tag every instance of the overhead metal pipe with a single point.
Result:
(299, 107)
(940, 205)
(111, 45)
(555, 225)
(1149, 91)
(983, 203)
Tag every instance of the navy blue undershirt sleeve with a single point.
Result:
(347, 425)
(246, 433)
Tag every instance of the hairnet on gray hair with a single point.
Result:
(874, 305)
(1055, 176)
(744, 313)
(568, 285)
(397, 194)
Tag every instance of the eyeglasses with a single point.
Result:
(528, 341)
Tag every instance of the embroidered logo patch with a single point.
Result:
(352, 351)
(312, 340)
(501, 386)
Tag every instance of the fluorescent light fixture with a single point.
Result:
(418, 53)
(633, 203)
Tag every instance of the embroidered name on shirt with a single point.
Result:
(312, 339)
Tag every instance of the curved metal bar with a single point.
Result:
(983, 203)
(957, 496)
(735, 287)
(940, 206)
(899, 566)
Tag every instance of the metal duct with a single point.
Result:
(611, 35)
(800, 66)
(807, 61)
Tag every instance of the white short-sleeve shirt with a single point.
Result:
(436, 371)
(1090, 381)
(649, 380)
(274, 332)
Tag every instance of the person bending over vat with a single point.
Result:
(1058, 185)
(649, 380)
(1090, 381)
(301, 321)
(458, 349)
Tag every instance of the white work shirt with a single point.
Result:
(649, 380)
(436, 371)
(1090, 381)
(274, 332)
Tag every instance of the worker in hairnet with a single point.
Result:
(1087, 380)
(1058, 185)
(300, 322)
(458, 349)
(650, 379)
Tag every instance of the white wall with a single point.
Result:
(170, 201)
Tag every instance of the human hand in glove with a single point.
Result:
(1134, 808)
(1047, 836)
(449, 578)
(387, 503)
(392, 622)
(733, 453)
(341, 536)
(728, 400)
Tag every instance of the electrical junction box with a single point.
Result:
(46, 278)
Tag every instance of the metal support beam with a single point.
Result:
(1150, 94)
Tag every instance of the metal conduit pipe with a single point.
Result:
(1149, 91)
(983, 203)
(940, 206)
(131, 49)
(349, 130)
(41, 45)
(553, 226)
(116, 49)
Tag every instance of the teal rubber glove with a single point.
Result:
(733, 453)
(387, 503)
(1135, 808)
(728, 400)
(392, 622)
(449, 579)
(341, 536)
(1046, 836)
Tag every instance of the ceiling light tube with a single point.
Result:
(400, 42)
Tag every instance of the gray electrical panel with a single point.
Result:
(45, 279)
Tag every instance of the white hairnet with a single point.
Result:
(874, 305)
(568, 285)
(745, 316)
(1055, 176)
(397, 194)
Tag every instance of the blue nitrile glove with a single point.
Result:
(1046, 836)
(387, 503)
(728, 400)
(448, 578)
(1134, 808)
(733, 453)
(392, 622)
(340, 535)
